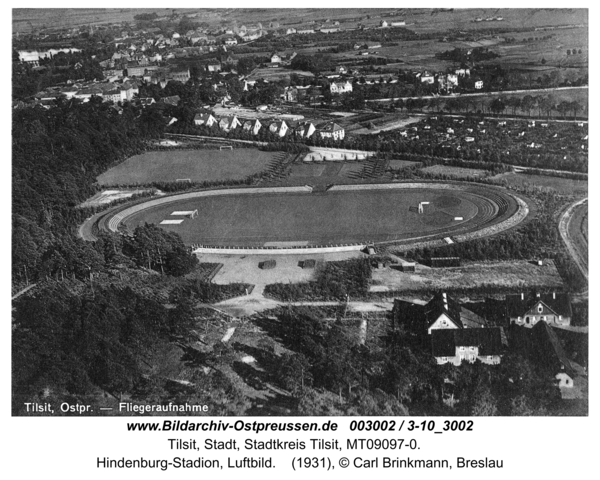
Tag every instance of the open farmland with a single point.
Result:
(197, 165)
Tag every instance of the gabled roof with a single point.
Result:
(559, 303)
(441, 303)
(203, 116)
(548, 347)
(278, 124)
(250, 123)
(471, 319)
(330, 127)
(487, 340)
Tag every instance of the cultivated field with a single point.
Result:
(197, 165)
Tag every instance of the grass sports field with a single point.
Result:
(333, 217)
(197, 165)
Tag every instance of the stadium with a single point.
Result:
(342, 216)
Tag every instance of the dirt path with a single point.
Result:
(574, 238)
(256, 302)
(22, 292)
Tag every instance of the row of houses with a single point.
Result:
(448, 81)
(109, 91)
(456, 334)
(330, 130)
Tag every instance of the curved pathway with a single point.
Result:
(504, 211)
(579, 255)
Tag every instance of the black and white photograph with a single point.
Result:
(299, 212)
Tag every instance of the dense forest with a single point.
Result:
(99, 309)
(57, 154)
(329, 373)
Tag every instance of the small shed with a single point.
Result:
(369, 250)
(308, 263)
(442, 262)
(408, 267)
(267, 264)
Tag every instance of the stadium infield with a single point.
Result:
(256, 217)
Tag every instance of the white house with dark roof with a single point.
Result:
(340, 87)
(279, 128)
(304, 129)
(204, 119)
(468, 344)
(252, 126)
(331, 130)
(229, 123)
(456, 333)
(527, 310)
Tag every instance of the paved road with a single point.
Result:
(579, 256)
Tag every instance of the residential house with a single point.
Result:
(383, 24)
(204, 119)
(455, 332)
(400, 23)
(275, 58)
(331, 130)
(172, 100)
(279, 128)
(340, 87)
(469, 344)
(213, 66)
(230, 41)
(146, 101)
(304, 129)
(251, 35)
(182, 75)
(290, 94)
(427, 78)
(229, 123)
(478, 84)
(135, 70)
(112, 96)
(252, 126)
(541, 344)
(548, 350)
(528, 310)
(290, 31)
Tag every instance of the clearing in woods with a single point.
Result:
(516, 273)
